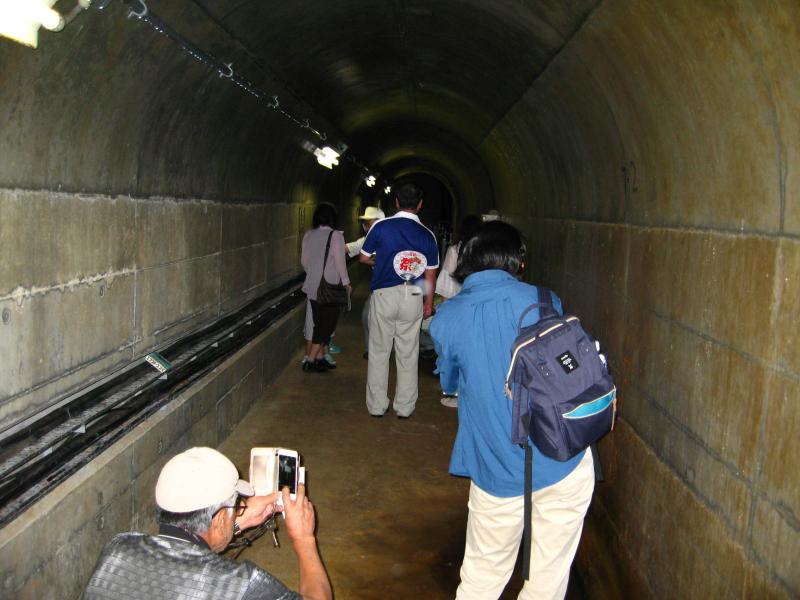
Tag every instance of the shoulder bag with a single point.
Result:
(331, 294)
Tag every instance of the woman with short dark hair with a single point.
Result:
(324, 215)
(473, 333)
(334, 269)
(495, 245)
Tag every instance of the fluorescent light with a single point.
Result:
(387, 189)
(327, 156)
(371, 181)
(20, 19)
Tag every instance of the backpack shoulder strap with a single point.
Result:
(545, 306)
(527, 528)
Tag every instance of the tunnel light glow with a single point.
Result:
(20, 19)
(327, 156)
(371, 181)
(387, 189)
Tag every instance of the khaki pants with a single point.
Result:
(395, 315)
(365, 323)
(494, 533)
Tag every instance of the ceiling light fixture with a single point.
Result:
(387, 190)
(371, 181)
(327, 156)
(20, 20)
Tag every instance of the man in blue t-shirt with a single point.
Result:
(402, 251)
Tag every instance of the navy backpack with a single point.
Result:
(563, 397)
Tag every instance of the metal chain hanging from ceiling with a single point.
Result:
(140, 10)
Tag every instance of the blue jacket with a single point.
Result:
(473, 333)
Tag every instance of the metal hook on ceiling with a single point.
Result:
(140, 14)
(229, 74)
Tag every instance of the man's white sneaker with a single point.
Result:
(450, 400)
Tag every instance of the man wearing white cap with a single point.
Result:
(202, 502)
(371, 216)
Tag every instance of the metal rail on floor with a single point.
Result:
(44, 453)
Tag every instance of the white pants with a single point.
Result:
(395, 315)
(494, 533)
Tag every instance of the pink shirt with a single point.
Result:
(311, 258)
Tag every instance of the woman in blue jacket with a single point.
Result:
(473, 333)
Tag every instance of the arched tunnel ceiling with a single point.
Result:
(430, 65)
(398, 80)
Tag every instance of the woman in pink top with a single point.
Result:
(334, 271)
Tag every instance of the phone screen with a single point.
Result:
(287, 473)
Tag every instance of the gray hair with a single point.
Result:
(197, 521)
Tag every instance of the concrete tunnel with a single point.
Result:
(648, 150)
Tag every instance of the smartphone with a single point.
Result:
(287, 471)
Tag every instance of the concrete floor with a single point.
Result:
(391, 520)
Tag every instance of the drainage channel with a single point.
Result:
(43, 454)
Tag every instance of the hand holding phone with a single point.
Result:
(258, 510)
(299, 515)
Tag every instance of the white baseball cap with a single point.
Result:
(371, 213)
(196, 479)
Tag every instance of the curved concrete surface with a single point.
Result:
(649, 150)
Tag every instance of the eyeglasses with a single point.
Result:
(239, 507)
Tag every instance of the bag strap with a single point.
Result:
(527, 528)
(327, 249)
(598, 468)
(325, 260)
(547, 309)
(545, 302)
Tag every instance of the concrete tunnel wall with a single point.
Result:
(655, 170)
(653, 165)
(141, 197)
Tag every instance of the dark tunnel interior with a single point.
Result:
(647, 150)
